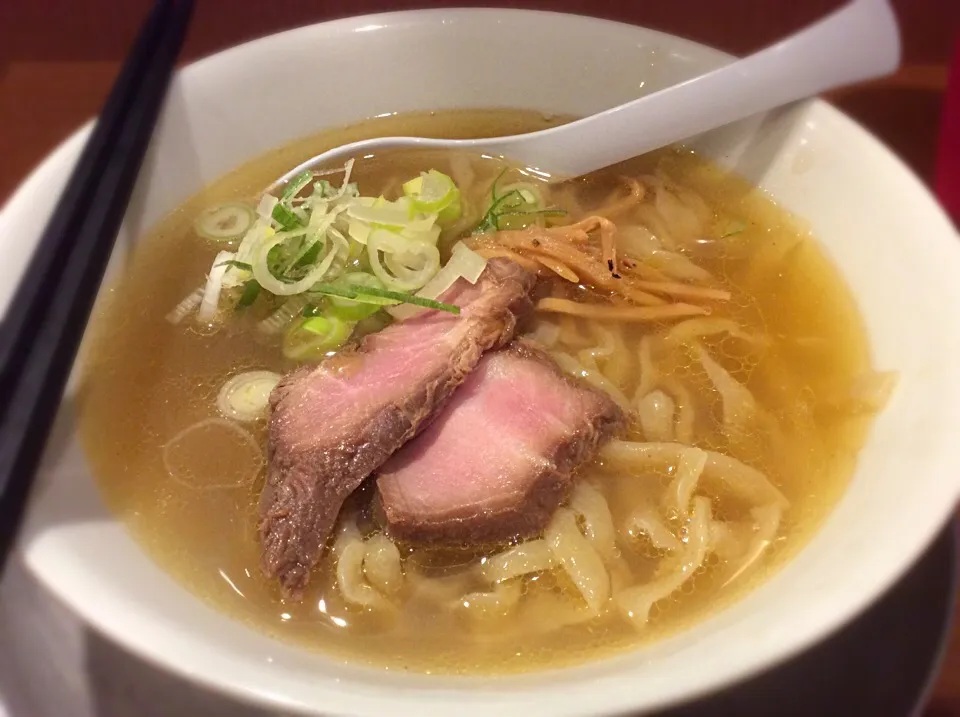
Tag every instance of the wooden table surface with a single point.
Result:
(58, 59)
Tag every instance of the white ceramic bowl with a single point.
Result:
(895, 247)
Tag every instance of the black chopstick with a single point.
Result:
(47, 316)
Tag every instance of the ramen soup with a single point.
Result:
(434, 412)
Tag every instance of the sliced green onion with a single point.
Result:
(296, 184)
(251, 290)
(356, 251)
(431, 192)
(464, 262)
(225, 222)
(451, 213)
(306, 256)
(402, 254)
(520, 207)
(388, 215)
(213, 288)
(266, 205)
(266, 261)
(245, 397)
(364, 306)
(490, 220)
(372, 324)
(529, 193)
(248, 245)
(309, 256)
(285, 218)
(413, 299)
(434, 192)
(358, 231)
(354, 294)
(236, 264)
(281, 318)
(368, 294)
(514, 206)
(189, 303)
(735, 227)
(521, 219)
(323, 189)
(429, 235)
(310, 339)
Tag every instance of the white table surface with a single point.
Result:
(52, 666)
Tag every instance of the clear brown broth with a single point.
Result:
(147, 380)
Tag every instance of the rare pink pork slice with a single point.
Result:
(498, 460)
(333, 425)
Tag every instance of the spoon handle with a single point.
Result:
(857, 42)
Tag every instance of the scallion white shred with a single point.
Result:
(211, 292)
(189, 303)
(266, 206)
(278, 320)
(347, 171)
(248, 245)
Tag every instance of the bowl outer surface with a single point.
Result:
(896, 248)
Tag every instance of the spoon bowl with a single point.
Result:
(857, 42)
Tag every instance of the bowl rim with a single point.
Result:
(575, 697)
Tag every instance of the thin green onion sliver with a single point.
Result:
(296, 184)
(285, 218)
(358, 292)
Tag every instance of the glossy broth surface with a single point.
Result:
(147, 380)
